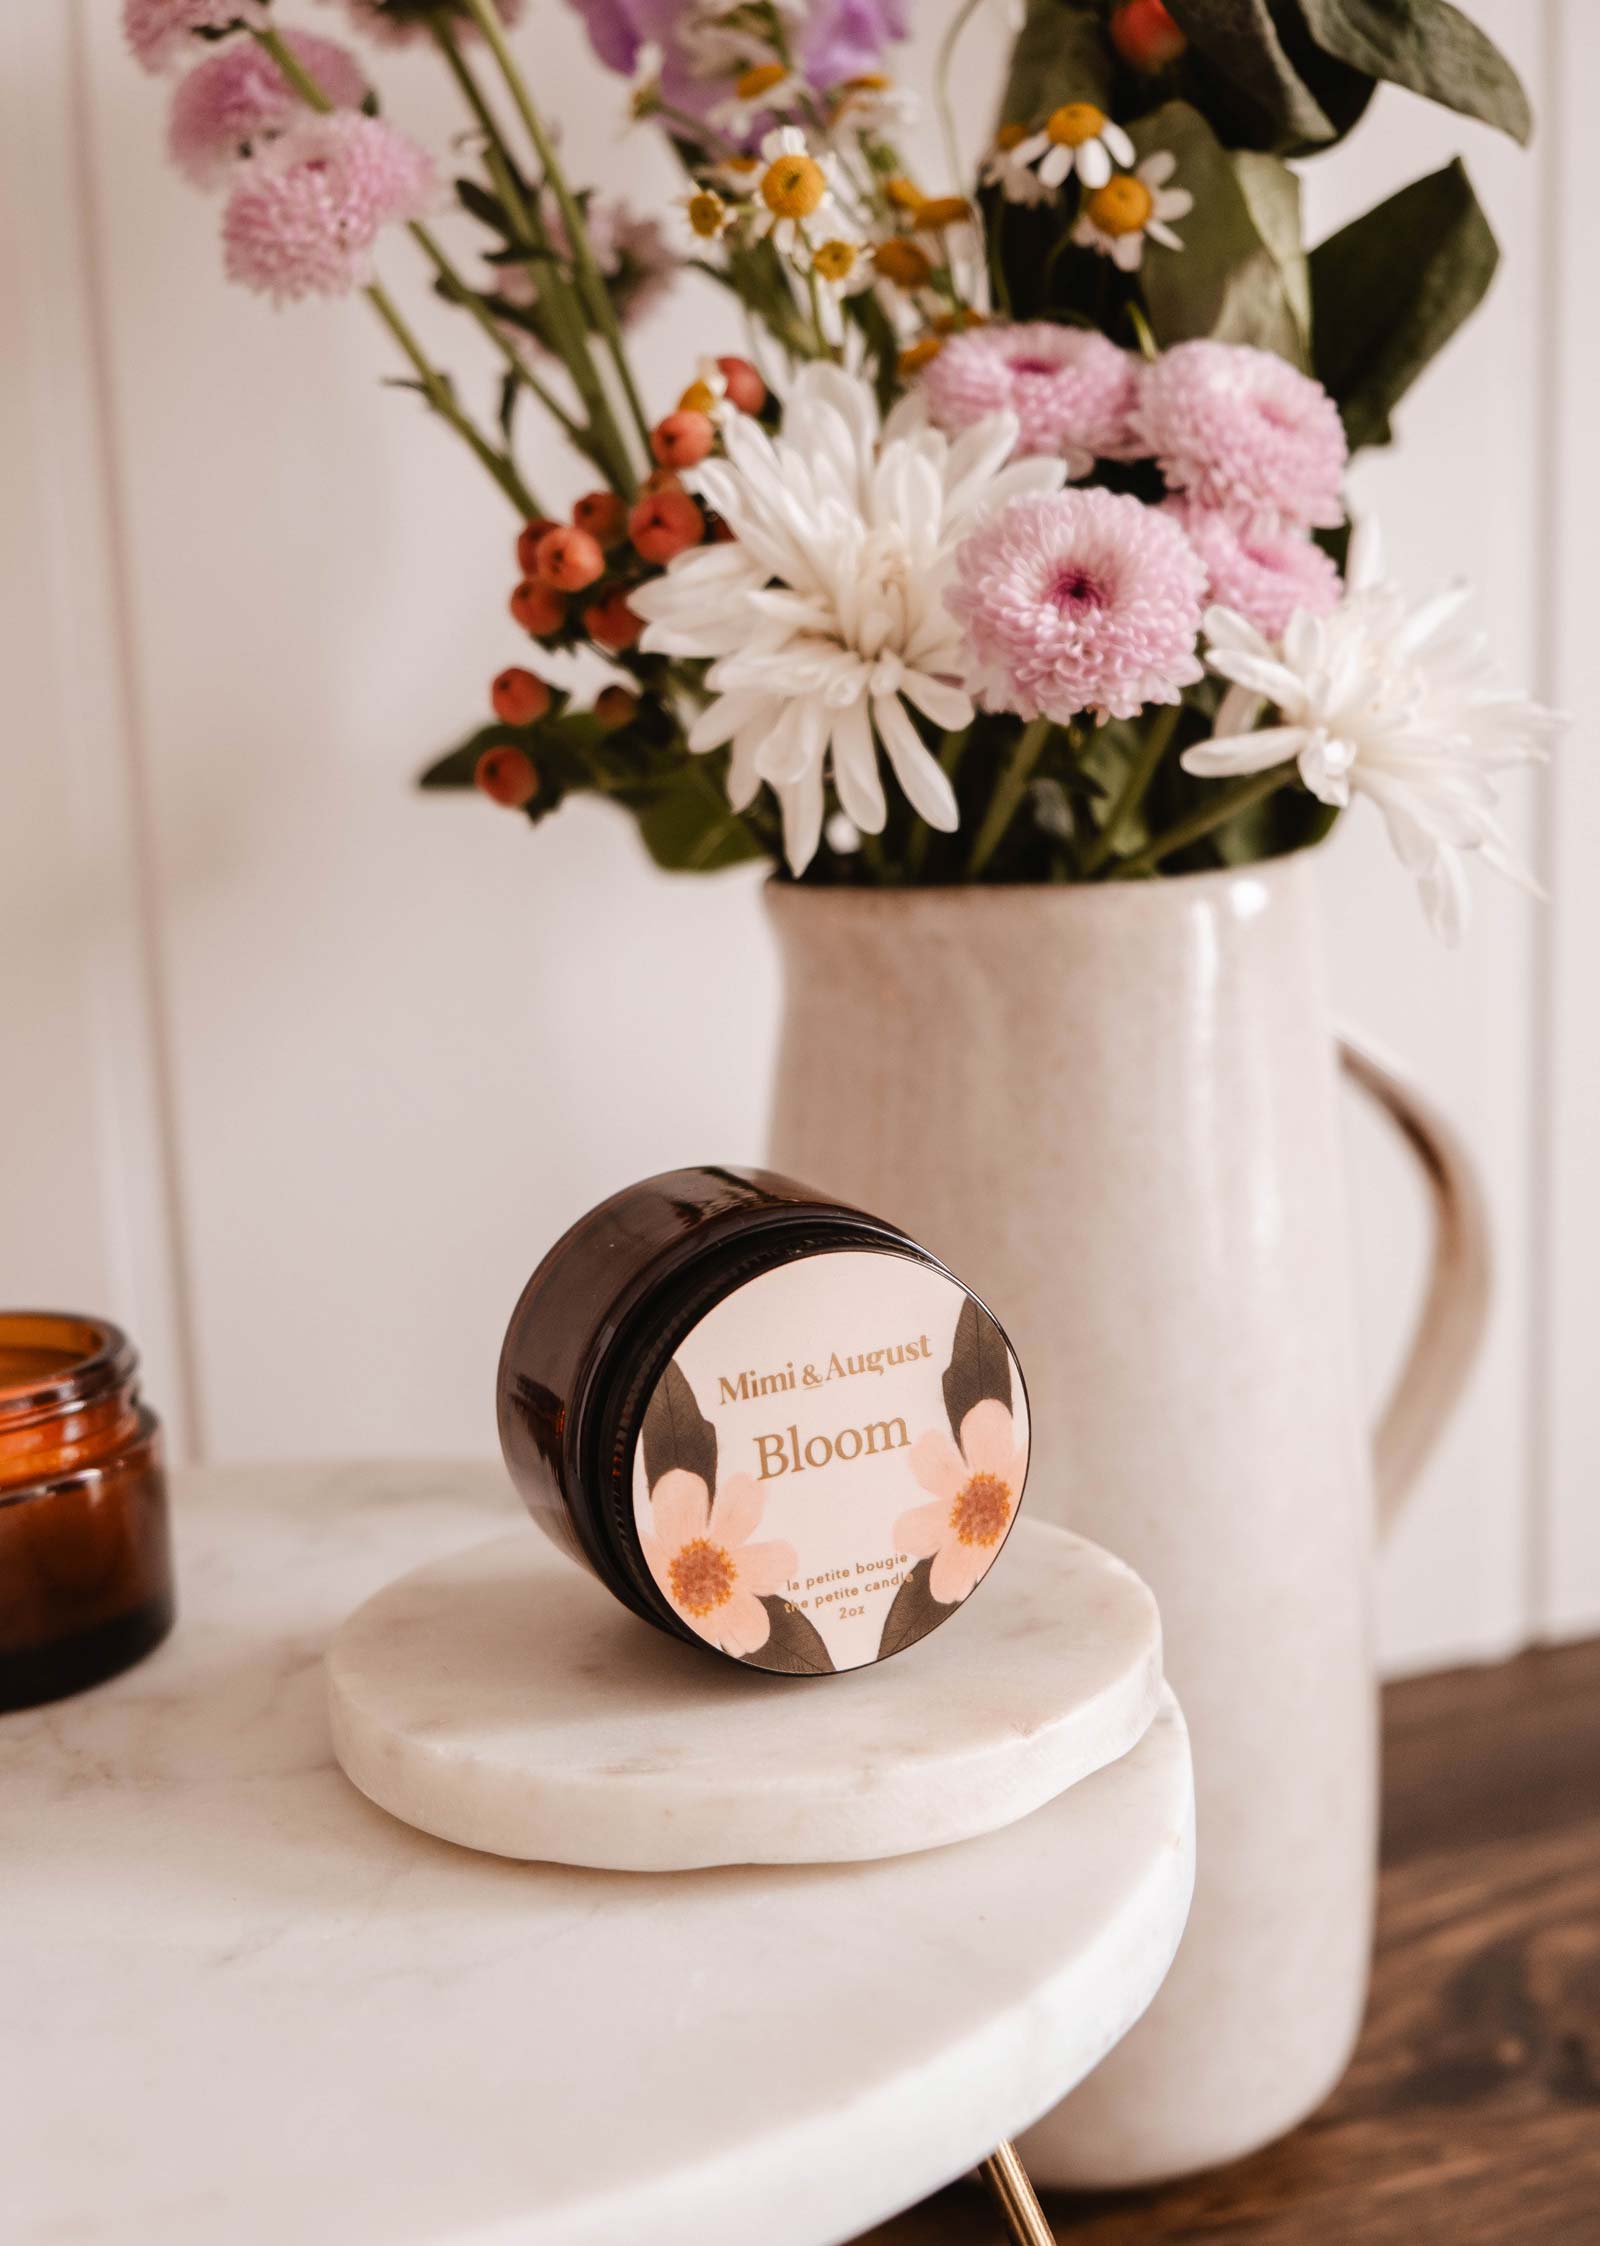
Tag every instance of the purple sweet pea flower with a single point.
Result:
(837, 39)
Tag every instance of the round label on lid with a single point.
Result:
(831, 1462)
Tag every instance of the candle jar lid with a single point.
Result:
(768, 1422)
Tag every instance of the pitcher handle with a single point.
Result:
(1455, 1309)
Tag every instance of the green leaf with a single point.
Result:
(1275, 295)
(1242, 43)
(485, 207)
(1292, 819)
(510, 391)
(1428, 46)
(1390, 289)
(1061, 55)
(687, 829)
(677, 1436)
(456, 769)
(980, 1366)
(794, 1646)
(1226, 280)
(913, 1613)
(677, 799)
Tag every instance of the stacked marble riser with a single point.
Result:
(503, 1700)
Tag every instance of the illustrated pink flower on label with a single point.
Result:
(702, 1560)
(975, 1491)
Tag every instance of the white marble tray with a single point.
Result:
(245, 2007)
(503, 1699)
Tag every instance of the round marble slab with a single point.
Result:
(504, 1700)
(249, 2007)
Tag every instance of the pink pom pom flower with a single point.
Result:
(158, 31)
(1079, 600)
(306, 212)
(1072, 391)
(238, 98)
(396, 23)
(1239, 428)
(1262, 575)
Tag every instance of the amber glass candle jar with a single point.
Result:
(766, 1421)
(85, 1559)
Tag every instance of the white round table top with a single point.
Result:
(502, 1698)
(251, 2007)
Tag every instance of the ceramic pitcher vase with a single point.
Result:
(1113, 1111)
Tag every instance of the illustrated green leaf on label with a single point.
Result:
(979, 1367)
(913, 1614)
(794, 1647)
(677, 1433)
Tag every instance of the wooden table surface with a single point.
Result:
(1471, 2113)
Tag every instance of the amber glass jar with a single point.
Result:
(85, 1558)
(766, 1421)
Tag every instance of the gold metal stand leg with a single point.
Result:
(1006, 2177)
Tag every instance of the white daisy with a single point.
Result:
(841, 266)
(1119, 217)
(823, 617)
(707, 216)
(737, 175)
(944, 225)
(1076, 138)
(767, 89)
(1376, 699)
(1008, 169)
(873, 103)
(796, 193)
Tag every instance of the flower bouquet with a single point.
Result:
(1010, 544)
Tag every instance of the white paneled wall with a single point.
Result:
(302, 1072)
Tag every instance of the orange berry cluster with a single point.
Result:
(560, 561)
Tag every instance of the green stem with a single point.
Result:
(719, 796)
(1135, 786)
(697, 129)
(292, 68)
(951, 750)
(460, 293)
(590, 282)
(1007, 795)
(499, 464)
(602, 441)
(1144, 334)
(437, 390)
(941, 79)
(999, 286)
(1254, 788)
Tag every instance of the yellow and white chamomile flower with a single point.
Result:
(766, 89)
(737, 175)
(873, 103)
(944, 224)
(1131, 209)
(842, 265)
(795, 198)
(1079, 138)
(707, 393)
(1004, 167)
(709, 217)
